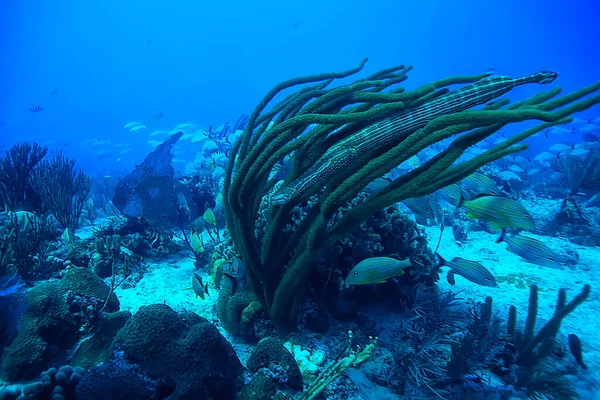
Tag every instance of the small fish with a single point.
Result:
(560, 147)
(130, 125)
(531, 250)
(450, 278)
(377, 270)
(210, 217)
(102, 154)
(479, 183)
(470, 270)
(580, 152)
(238, 275)
(199, 287)
(459, 233)
(377, 185)
(575, 347)
(509, 176)
(421, 206)
(158, 133)
(588, 128)
(451, 194)
(159, 114)
(501, 212)
(34, 108)
(183, 126)
(544, 157)
(137, 128)
(52, 91)
(561, 130)
(196, 242)
(516, 169)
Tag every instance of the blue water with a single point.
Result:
(112, 62)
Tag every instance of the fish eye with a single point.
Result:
(355, 273)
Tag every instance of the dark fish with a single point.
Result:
(35, 108)
(377, 185)
(459, 233)
(450, 278)
(470, 270)
(238, 277)
(159, 114)
(590, 137)
(575, 347)
(531, 250)
(199, 287)
(501, 212)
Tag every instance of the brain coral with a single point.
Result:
(185, 349)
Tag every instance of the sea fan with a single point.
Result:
(579, 173)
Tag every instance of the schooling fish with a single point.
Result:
(377, 185)
(479, 183)
(199, 287)
(470, 270)
(131, 125)
(35, 108)
(377, 270)
(531, 250)
(501, 212)
(421, 206)
(451, 194)
(575, 347)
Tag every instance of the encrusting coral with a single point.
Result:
(348, 148)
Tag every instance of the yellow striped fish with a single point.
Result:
(531, 250)
(376, 270)
(451, 194)
(479, 183)
(470, 270)
(501, 212)
(421, 206)
(199, 287)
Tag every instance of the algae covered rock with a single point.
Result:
(270, 353)
(51, 326)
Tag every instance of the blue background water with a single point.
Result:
(208, 62)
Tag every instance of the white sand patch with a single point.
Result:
(169, 282)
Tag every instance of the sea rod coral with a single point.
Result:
(341, 138)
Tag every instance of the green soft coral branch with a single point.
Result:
(278, 266)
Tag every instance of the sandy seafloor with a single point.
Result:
(167, 281)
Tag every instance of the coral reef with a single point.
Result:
(361, 133)
(51, 324)
(54, 384)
